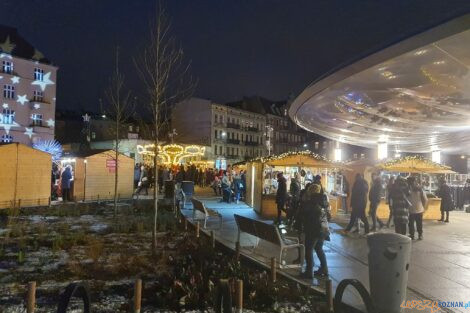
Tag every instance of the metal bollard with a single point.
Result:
(137, 295)
(31, 304)
(197, 229)
(273, 269)
(389, 261)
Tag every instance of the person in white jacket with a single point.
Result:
(418, 201)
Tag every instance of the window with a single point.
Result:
(93, 135)
(8, 91)
(38, 96)
(363, 155)
(324, 144)
(37, 119)
(215, 149)
(221, 150)
(216, 118)
(6, 139)
(38, 74)
(8, 116)
(317, 145)
(355, 155)
(215, 133)
(7, 67)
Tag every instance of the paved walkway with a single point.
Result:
(440, 266)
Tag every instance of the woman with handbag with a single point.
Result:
(315, 227)
(401, 204)
(418, 201)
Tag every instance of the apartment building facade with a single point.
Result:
(230, 134)
(27, 80)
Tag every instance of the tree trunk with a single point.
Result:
(116, 179)
(155, 199)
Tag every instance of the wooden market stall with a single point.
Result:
(93, 175)
(261, 177)
(25, 176)
(410, 165)
(423, 168)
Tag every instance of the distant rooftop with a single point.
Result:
(260, 105)
(12, 43)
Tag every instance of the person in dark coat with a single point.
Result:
(315, 228)
(294, 191)
(400, 194)
(65, 180)
(447, 204)
(375, 195)
(359, 203)
(281, 196)
(391, 181)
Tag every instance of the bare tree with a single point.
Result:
(165, 74)
(120, 107)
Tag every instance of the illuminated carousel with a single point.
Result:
(413, 96)
(173, 154)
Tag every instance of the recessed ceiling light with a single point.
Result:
(439, 62)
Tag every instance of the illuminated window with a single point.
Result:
(7, 67)
(8, 116)
(37, 119)
(8, 91)
(93, 135)
(6, 139)
(38, 74)
(38, 95)
(363, 156)
(324, 144)
(355, 155)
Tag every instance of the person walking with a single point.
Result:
(281, 196)
(237, 181)
(359, 203)
(136, 174)
(375, 195)
(226, 188)
(400, 194)
(391, 181)
(418, 201)
(294, 191)
(65, 182)
(447, 204)
(315, 228)
(143, 181)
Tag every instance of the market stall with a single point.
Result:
(427, 171)
(93, 175)
(25, 176)
(262, 184)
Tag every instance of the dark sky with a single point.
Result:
(237, 48)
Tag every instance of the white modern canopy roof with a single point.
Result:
(414, 95)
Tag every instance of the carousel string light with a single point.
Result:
(308, 153)
(414, 158)
(171, 153)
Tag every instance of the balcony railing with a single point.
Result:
(233, 125)
(233, 141)
(251, 129)
(251, 143)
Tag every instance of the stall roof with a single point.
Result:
(414, 164)
(302, 158)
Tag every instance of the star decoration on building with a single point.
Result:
(15, 80)
(38, 55)
(4, 55)
(7, 46)
(29, 132)
(46, 80)
(50, 122)
(7, 126)
(21, 99)
(5, 105)
(37, 106)
(1, 77)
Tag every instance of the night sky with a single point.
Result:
(237, 48)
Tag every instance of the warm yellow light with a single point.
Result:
(172, 153)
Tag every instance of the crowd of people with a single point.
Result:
(407, 202)
(230, 184)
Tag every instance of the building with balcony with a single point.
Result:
(233, 134)
(27, 81)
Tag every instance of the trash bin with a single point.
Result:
(389, 261)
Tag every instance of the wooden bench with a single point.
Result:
(270, 233)
(198, 206)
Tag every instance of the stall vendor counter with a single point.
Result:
(269, 206)
(432, 212)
